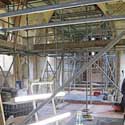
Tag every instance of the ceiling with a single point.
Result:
(73, 33)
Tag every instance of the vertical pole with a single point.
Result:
(74, 81)
(9, 19)
(28, 59)
(2, 117)
(117, 74)
(105, 70)
(36, 66)
(56, 86)
(53, 104)
(87, 93)
(106, 73)
(44, 69)
(62, 71)
(91, 85)
(34, 105)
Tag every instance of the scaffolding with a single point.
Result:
(68, 69)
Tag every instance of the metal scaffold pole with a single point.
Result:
(76, 75)
(40, 9)
(87, 101)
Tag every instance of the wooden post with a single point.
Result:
(2, 117)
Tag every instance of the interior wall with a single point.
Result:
(97, 77)
(94, 75)
(38, 66)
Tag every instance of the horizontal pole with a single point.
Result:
(65, 23)
(30, 98)
(53, 119)
(53, 7)
(41, 83)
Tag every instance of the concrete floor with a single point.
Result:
(103, 115)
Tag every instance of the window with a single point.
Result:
(5, 62)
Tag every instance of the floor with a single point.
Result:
(103, 114)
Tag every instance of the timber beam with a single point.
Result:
(10, 46)
(59, 47)
(72, 46)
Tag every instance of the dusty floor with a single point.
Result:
(103, 115)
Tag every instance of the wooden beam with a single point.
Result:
(72, 46)
(105, 10)
(10, 45)
(67, 46)
(7, 2)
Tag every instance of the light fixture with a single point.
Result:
(105, 38)
(50, 32)
(34, 97)
(93, 53)
(53, 119)
(93, 38)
